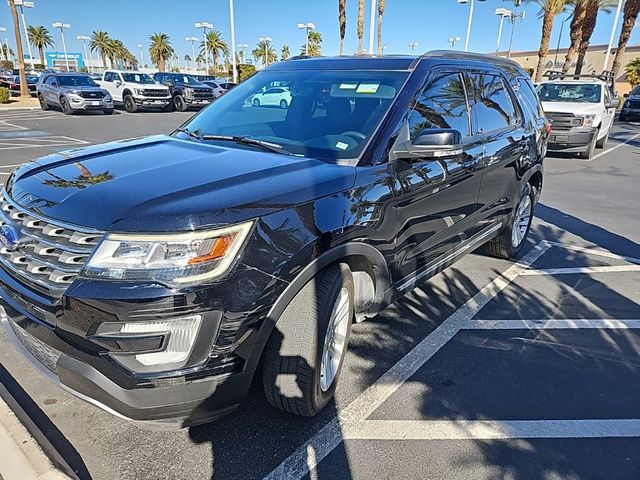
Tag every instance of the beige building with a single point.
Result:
(593, 62)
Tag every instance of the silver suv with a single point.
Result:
(72, 92)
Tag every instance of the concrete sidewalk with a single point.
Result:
(22, 458)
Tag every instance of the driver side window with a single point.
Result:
(442, 104)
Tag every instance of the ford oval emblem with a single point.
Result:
(9, 237)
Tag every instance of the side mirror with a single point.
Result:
(614, 103)
(117, 83)
(432, 143)
(626, 95)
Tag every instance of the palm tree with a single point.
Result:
(264, 52)
(380, 14)
(549, 9)
(592, 8)
(360, 26)
(284, 53)
(24, 88)
(631, 11)
(160, 49)
(187, 59)
(633, 71)
(100, 42)
(314, 45)
(579, 14)
(342, 20)
(7, 52)
(216, 45)
(40, 38)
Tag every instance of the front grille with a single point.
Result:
(564, 121)
(49, 255)
(96, 94)
(203, 92)
(155, 93)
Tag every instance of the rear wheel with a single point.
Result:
(43, 104)
(255, 102)
(511, 240)
(179, 103)
(304, 355)
(65, 107)
(129, 104)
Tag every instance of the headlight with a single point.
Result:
(188, 92)
(138, 91)
(173, 259)
(587, 120)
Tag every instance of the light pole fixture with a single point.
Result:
(412, 46)
(234, 67)
(242, 47)
(372, 25)
(192, 41)
(555, 60)
(453, 40)
(306, 27)
(267, 41)
(6, 42)
(204, 26)
(62, 27)
(502, 13)
(613, 33)
(141, 56)
(25, 4)
(512, 17)
(84, 39)
(470, 21)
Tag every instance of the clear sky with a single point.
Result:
(429, 22)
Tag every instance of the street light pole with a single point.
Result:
(6, 52)
(502, 13)
(242, 47)
(613, 34)
(233, 44)
(62, 26)
(25, 4)
(372, 25)
(555, 60)
(453, 41)
(204, 26)
(306, 27)
(192, 40)
(413, 45)
(141, 56)
(84, 39)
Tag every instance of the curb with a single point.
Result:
(23, 459)
(17, 107)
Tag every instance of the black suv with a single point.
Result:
(153, 276)
(185, 90)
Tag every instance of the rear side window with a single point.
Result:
(442, 104)
(492, 103)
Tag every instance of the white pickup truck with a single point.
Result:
(135, 90)
(581, 112)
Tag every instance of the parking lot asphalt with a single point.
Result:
(491, 370)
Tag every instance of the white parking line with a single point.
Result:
(42, 142)
(477, 430)
(552, 324)
(595, 251)
(582, 270)
(330, 436)
(609, 150)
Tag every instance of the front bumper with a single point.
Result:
(79, 103)
(198, 102)
(153, 102)
(574, 140)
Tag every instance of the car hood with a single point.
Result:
(162, 183)
(85, 88)
(572, 107)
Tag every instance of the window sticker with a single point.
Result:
(368, 88)
(348, 86)
(342, 145)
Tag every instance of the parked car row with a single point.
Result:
(11, 79)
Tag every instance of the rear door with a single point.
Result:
(437, 196)
(499, 122)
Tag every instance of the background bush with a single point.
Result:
(4, 95)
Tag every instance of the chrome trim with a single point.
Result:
(474, 241)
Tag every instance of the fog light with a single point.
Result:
(180, 334)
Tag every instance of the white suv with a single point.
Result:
(581, 112)
(135, 90)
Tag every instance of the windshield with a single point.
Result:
(76, 81)
(142, 78)
(186, 79)
(567, 92)
(325, 114)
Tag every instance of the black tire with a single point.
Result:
(293, 355)
(169, 107)
(502, 246)
(623, 118)
(129, 104)
(43, 105)
(108, 111)
(284, 104)
(179, 103)
(255, 102)
(602, 143)
(588, 153)
(65, 107)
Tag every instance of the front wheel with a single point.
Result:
(511, 240)
(602, 143)
(65, 107)
(283, 104)
(108, 111)
(129, 104)
(591, 149)
(179, 103)
(255, 102)
(304, 355)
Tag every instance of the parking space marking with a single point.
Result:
(299, 463)
(487, 430)
(609, 150)
(52, 141)
(595, 251)
(582, 270)
(552, 324)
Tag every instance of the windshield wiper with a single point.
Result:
(193, 135)
(268, 146)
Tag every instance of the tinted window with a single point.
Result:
(528, 96)
(77, 81)
(142, 78)
(442, 104)
(108, 77)
(51, 79)
(492, 103)
(570, 92)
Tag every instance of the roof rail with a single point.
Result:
(471, 56)
(606, 76)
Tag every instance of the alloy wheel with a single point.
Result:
(335, 341)
(521, 221)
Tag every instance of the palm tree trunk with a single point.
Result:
(41, 52)
(631, 11)
(380, 14)
(24, 88)
(547, 28)
(104, 60)
(579, 13)
(360, 27)
(161, 63)
(342, 20)
(588, 26)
